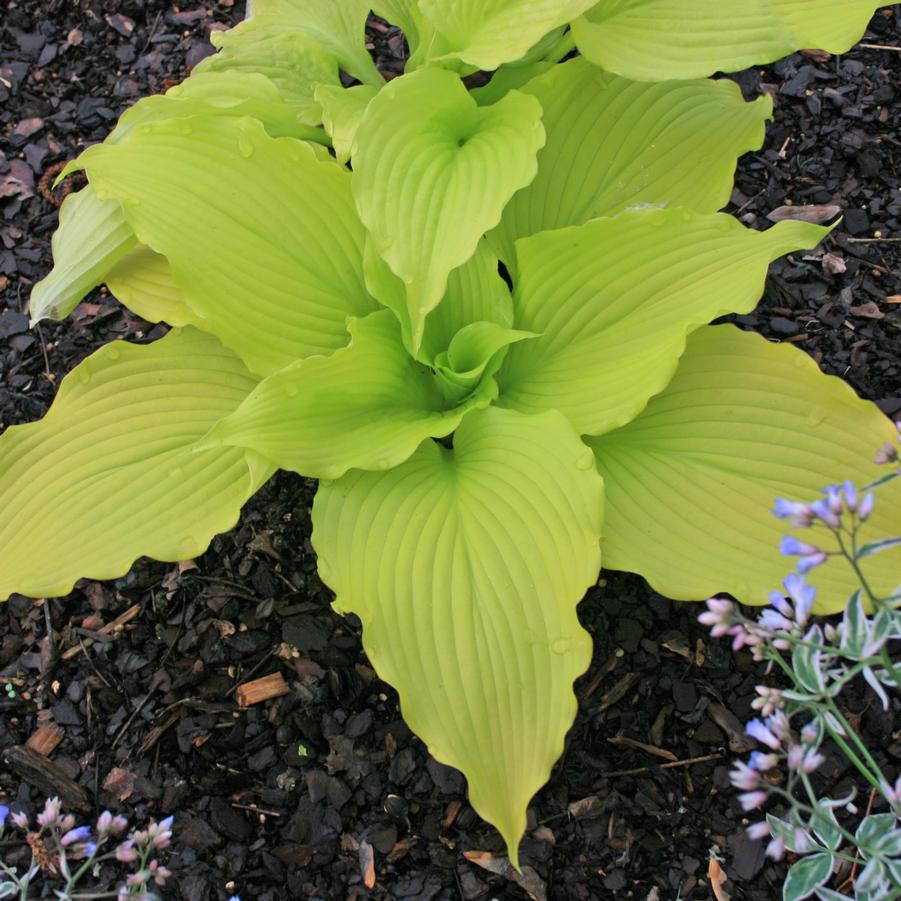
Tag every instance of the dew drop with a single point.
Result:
(561, 645)
(114, 353)
(84, 375)
(815, 417)
(799, 361)
(291, 390)
(586, 461)
(245, 146)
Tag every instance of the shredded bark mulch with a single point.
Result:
(228, 693)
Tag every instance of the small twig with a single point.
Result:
(254, 809)
(665, 766)
(47, 373)
(874, 240)
(880, 47)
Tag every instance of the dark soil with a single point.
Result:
(278, 799)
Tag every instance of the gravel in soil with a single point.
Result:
(322, 787)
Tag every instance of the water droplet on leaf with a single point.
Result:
(245, 146)
(84, 375)
(815, 417)
(291, 390)
(561, 645)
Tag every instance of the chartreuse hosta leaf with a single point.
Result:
(261, 235)
(614, 300)
(339, 26)
(690, 483)
(294, 62)
(432, 173)
(342, 112)
(655, 40)
(367, 406)
(143, 282)
(465, 567)
(487, 33)
(110, 472)
(614, 143)
(92, 237)
(93, 234)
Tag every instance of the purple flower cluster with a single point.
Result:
(801, 756)
(788, 615)
(63, 842)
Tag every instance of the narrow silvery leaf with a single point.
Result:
(806, 876)
(874, 547)
(854, 626)
(826, 826)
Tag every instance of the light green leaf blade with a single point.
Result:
(367, 406)
(614, 144)
(294, 62)
(656, 40)
(432, 173)
(488, 33)
(465, 567)
(109, 474)
(342, 112)
(92, 237)
(339, 26)
(228, 93)
(284, 270)
(143, 282)
(691, 482)
(614, 300)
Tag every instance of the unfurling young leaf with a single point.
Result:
(480, 315)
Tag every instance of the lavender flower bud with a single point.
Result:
(803, 595)
(763, 762)
(752, 800)
(757, 730)
(801, 840)
(823, 511)
(775, 850)
(20, 819)
(806, 564)
(865, 507)
(137, 880)
(812, 760)
(888, 453)
(834, 499)
(82, 833)
(49, 816)
(744, 777)
(107, 824)
(791, 547)
(799, 515)
(850, 493)
(769, 700)
(160, 873)
(126, 852)
(795, 757)
(774, 621)
(759, 830)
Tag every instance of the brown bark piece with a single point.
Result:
(261, 689)
(45, 739)
(47, 777)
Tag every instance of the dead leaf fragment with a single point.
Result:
(584, 806)
(834, 264)
(120, 782)
(526, 878)
(717, 879)
(816, 214)
(868, 310)
(367, 863)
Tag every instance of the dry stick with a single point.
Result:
(874, 240)
(880, 47)
(665, 766)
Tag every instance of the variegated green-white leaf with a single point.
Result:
(614, 144)
(92, 237)
(110, 472)
(465, 567)
(613, 301)
(261, 235)
(338, 26)
(432, 173)
(488, 33)
(655, 40)
(143, 282)
(690, 483)
(805, 876)
(367, 406)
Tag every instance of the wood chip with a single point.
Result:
(584, 806)
(453, 811)
(868, 310)
(815, 213)
(120, 782)
(618, 691)
(45, 739)
(262, 689)
(47, 777)
(893, 298)
(110, 629)
(739, 741)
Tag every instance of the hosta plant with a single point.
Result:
(479, 316)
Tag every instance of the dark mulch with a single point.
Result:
(275, 799)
